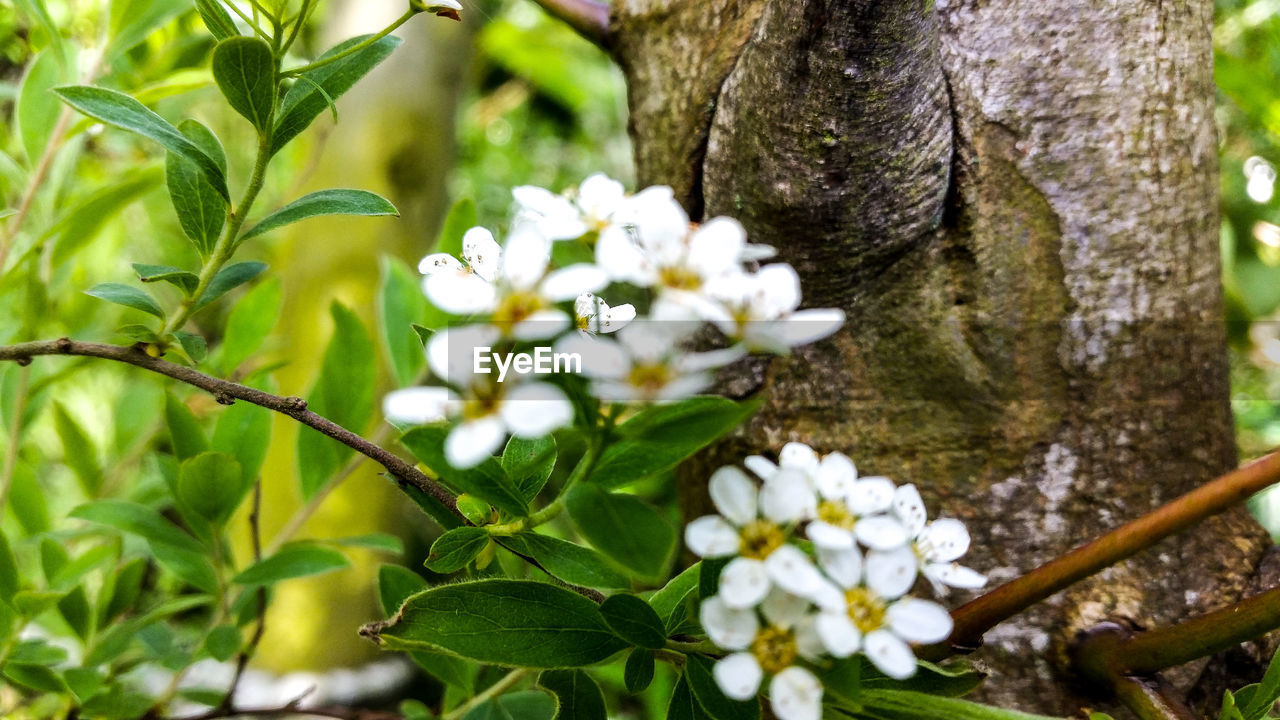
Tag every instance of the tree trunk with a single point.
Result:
(1015, 202)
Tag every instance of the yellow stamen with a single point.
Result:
(866, 609)
(835, 512)
(679, 278)
(775, 649)
(760, 538)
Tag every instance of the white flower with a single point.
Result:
(645, 364)
(794, 456)
(751, 526)
(936, 545)
(871, 618)
(595, 316)
(852, 508)
(787, 635)
(565, 217)
(509, 284)
(760, 310)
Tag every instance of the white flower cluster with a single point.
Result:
(695, 274)
(777, 608)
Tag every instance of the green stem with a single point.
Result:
(351, 50)
(299, 21)
(702, 646)
(504, 684)
(248, 20)
(15, 435)
(553, 510)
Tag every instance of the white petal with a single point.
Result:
(787, 498)
(622, 259)
(614, 319)
(481, 252)
(709, 360)
(451, 352)
(588, 305)
(909, 507)
(658, 220)
(738, 676)
(844, 566)
(795, 694)
(762, 466)
(799, 456)
(891, 574)
(777, 291)
(534, 410)
(836, 476)
(728, 628)
(601, 358)
(871, 495)
(918, 621)
(571, 281)
(790, 569)
(683, 387)
(838, 633)
(828, 597)
(525, 258)
(806, 326)
(945, 540)
(734, 495)
(743, 583)
(473, 441)
(826, 535)
(888, 653)
(782, 609)
(600, 195)
(714, 248)
(755, 251)
(460, 294)
(417, 405)
(710, 536)
(954, 575)
(542, 324)
(880, 532)
(439, 262)
(808, 640)
(541, 200)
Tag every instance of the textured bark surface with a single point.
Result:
(1015, 202)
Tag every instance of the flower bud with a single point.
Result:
(442, 8)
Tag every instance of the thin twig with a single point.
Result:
(589, 18)
(37, 179)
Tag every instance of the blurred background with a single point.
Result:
(461, 111)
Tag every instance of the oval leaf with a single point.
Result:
(338, 201)
(624, 527)
(634, 621)
(486, 481)
(454, 549)
(293, 562)
(126, 295)
(567, 561)
(201, 210)
(211, 485)
(229, 278)
(245, 70)
(639, 670)
(579, 695)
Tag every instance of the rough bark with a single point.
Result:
(1015, 202)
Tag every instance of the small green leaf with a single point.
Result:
(526, 705)
(308, 98)
(486, 481)
(125, 591)
(138, 333)
(579, 695)
(710, 698)
(120, 110)
(293, 562)
(36, 652)
(454, 549)
(624, 527)
(245, 70)
(139, 520)
(338, 201)
(201, 209)
(184, 429)
(78, 451)
(400, 304)
(77, 228)
(433, 508)
(37, 108)
(395, 584)
(529, 462)
(448, 669)
(904, 704)
(229, 278)
(36, 677)
(216, 19)
(223, 642)
(634, 621)
(243, 431)
(660, 437)
(668, 601)
(126, 295)
(381, 542)
(193, 345)
(9, 582)
(567, 561)
(250, 322)
(475, 510)
(211, 485)
(682, 705)
(504, 622)
(179, 278)
(639, 671)
(461, 218)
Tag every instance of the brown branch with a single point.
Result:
(589, 18)
(976, 617)
(227, 392)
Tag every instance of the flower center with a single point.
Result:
(679, 278)
(775, 649)
(835, 512)
(484, 401)
(759, 539)
(584, 322)
(516, 308)
(866, 609)
(649, 378)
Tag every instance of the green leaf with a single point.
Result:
(223, 642)
(454, 549)
(201, 209)
(623, 527)
(79, 227)
(1263, 698)
(337, 201)
(634, 621)
(37, 11)
(74, 605)
(228, 279)
(400, 304)
(579, 695)
(37, 108)
(78, 451)
(381, 542)
(486, 481)
(216, 19)
(343, 394)
(243, 431)
(250, 322)
(126, 295)
(448, 669)
(529, 462)
(395, 584)
(182, 279)
(504, 622)
(36, 677)
(668, 601)
(904, 704)
(120, 110)
(660, 437)
(212, 486)
(193, 345)
(461, 218)
(180, 553)
(707, 693)
(184, 429)
(951, 680)
(36, 652)
(132, 22)
(638, 673)
(245, 70)
(307, 98)
(293, 562)
(125, 591)
(527, 705)
(683, 706)
(9, 578)
(567, 561)
(433, 508)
